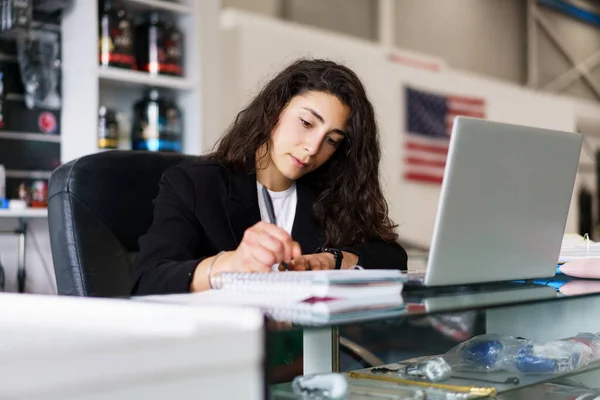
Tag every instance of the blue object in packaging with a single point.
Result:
(484, 353)
(529, 363)
(3, 203)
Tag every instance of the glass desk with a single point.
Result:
(433, 321)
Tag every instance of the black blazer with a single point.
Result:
(204, 208)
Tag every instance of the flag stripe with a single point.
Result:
(458, 107)
(424, 169)
(425, 147)
(472, 114)
(425, 162)
(466, 100)
(426, 155)
(415, 176)
(442, 143)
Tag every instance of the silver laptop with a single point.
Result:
(503, 206)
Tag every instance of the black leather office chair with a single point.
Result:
(98, 207)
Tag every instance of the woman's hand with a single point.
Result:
(262, 246)
(322, 261)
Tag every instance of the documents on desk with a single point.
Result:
(577, 247)
(55, 347)
(302, 297)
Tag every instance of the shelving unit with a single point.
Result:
(137, 79)
(87, 85)
(148, 5)
(24, 213)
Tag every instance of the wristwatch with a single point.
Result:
(337, 254)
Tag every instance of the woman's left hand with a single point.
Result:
(322, 261)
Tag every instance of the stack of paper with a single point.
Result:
(55, 347)
(303, 297)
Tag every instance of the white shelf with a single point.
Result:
(25, 213)
(143, 79)
(40, 137)
(159, 5)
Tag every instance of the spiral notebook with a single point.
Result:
(307, 284)
(302, 296)
(577, 247)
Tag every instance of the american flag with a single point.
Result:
(429, 119)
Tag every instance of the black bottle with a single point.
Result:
(156, 124)
(173, 49)
(108, 128)
(116, 40)
(159, 46)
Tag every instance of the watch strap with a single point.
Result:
(337, 254)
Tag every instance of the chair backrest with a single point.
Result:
(98, 207)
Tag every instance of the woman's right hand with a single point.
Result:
(263, 245)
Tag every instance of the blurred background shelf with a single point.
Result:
(25, 213)
(159, 5)
(127, 78)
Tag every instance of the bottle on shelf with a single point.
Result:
(173, 48)
(159, 46)
(3, 197)
(108, 128)
(124, 124)
(116, 35)
(156, 124)
(23, 194)
(39, 194)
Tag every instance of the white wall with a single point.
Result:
(486, 36)
(351, 17)
(257, 47)
(482, 36)
(272, 8)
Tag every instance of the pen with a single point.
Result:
(271, 213)
(586, 237)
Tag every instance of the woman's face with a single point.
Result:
(309, 130)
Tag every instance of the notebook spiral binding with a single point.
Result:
(239, 280)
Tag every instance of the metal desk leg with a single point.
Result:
(21, 272)
(321, 350)
(21, 233)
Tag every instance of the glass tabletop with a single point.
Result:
(430, 322)
(563, 388)
(421, 301)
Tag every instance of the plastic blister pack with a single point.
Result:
(495, 352)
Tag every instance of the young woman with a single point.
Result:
(310, 138)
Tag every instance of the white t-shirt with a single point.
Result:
(284, 205)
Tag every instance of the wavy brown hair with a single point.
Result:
(350, 205)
